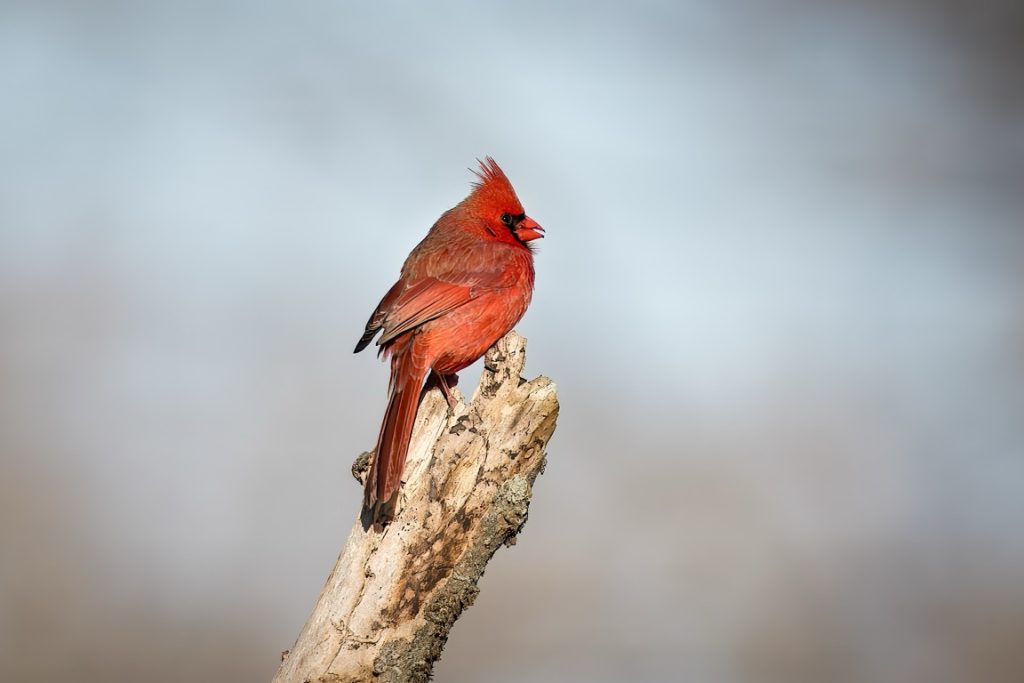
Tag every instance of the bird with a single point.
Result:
(461, 289)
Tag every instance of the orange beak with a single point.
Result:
(529, 229)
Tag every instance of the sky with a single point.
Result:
(780, 294)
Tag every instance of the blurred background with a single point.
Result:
(781, 295)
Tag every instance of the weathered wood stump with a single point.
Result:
(393, 596)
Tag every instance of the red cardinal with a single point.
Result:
(462, 288)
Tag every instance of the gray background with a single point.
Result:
(781, 295)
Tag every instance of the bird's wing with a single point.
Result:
(427, 298)
(438, 287)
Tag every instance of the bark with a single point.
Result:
(388, 606)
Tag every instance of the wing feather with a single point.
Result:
(422, 301)
(434, 287)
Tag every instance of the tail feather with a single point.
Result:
(385, 476)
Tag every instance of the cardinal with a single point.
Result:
(461, 289)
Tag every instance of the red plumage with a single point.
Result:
(461, 289)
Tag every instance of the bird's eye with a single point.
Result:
(506, 219)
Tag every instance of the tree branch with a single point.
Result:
(388, 606)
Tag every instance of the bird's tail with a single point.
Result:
(385, 476)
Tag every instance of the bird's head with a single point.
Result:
(494, 203)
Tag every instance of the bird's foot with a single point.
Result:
(446, 383)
